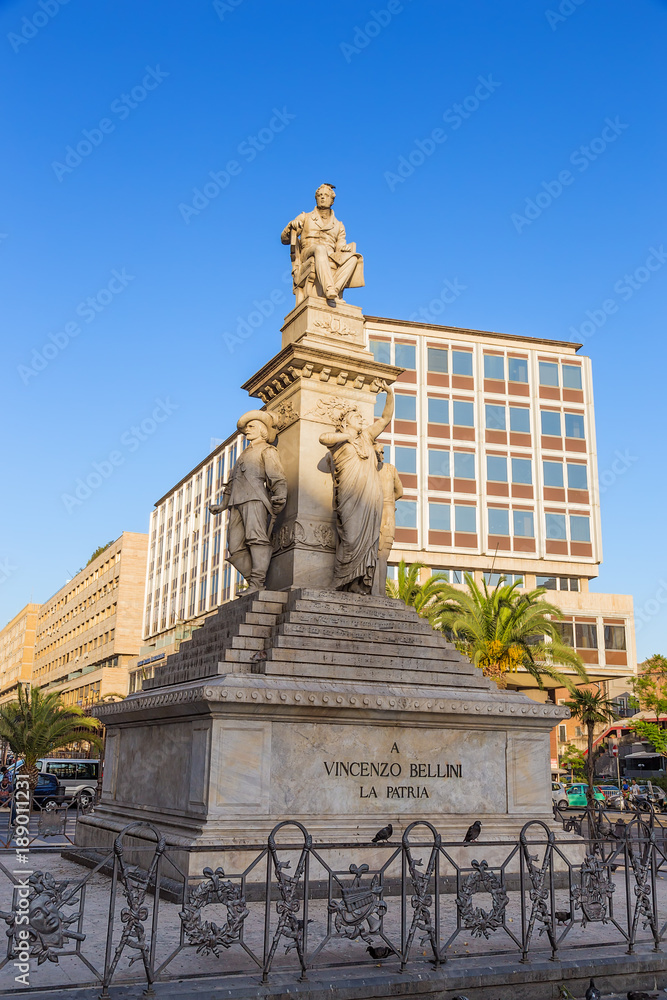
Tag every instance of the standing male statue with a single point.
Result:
(392, 490)
(323, 262)
(255, 494)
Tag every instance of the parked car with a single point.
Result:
(78, 776)
(609, 791)
(48, 791)
(576, 795)
(559, 794)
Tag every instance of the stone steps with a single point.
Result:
(369, 644)
(360, 660)
(369, 634)
(398, 673)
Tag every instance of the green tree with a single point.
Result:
(38, 723)
(650, 685)
(98, 551)
(501, 630)
(591, 708)
(652, 732)
(408, 589)
(574, 760)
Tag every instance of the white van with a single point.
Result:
(78, 776)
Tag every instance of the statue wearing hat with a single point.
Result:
(255, 494)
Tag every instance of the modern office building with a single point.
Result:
(17, 651)
(89, 632)
(494, 440)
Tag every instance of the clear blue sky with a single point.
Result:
(179, 89)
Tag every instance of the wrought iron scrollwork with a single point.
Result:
(642, 870)
(540, 911)
(48, 927)
(422, 900)
(287, 907)
(359, 905)
(206, 935)
(593, 894)
(474, 918)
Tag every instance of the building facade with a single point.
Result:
(494, 439)
(89, 632)
(17, 651)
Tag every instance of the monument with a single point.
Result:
(313, 696)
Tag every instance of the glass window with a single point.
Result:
(496, 468)
(380, 350)
(553, 473)
(464, 465)
(406, 406)
(566, 632)
(587, 636)
(406, 514)
(406, 356)
(380, 400)
(466, 518)
(462, 362)
(495, 417)
(499, 521)
(548, 373)
(523, 523)
(614, 637)
(438, 410)
(458, 575)
(574, 425)
(463, 414)
(437, 360)
(520, 419)
(494, 366)
(551, 422)
(548, 582)
(572, 376)
(439, 517)
(438, 462)
(577, 478)
(556, 526)
(522, 471)
(405, 459)
(87, 770)
(580, 528)
(518, 369)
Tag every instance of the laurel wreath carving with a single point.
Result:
(474, 918)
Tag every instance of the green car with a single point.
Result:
(576, 795)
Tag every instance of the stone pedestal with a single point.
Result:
(342, 711)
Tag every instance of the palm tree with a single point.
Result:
(408, 589)
(591, 708)
(38, 724)
(501, 630)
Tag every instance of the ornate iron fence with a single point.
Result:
(138, 915)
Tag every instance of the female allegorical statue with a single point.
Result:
(357, 496)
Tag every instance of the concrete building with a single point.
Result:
(494, 440)
(17, 651)
(89, 632)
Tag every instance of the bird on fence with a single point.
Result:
(562, 916)
(593, 993)
(379, 953)
(473, 832)
(641, 995)
(383, 834)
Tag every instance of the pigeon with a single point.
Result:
(380, 953)
(562, 916)
(593, 993)
(383, 834)
(641, 995)
(473, 832)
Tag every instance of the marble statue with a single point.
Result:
(255, 494)
(392, 490)
(358, 499)
(323, 262)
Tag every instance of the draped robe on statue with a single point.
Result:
(358, 504)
